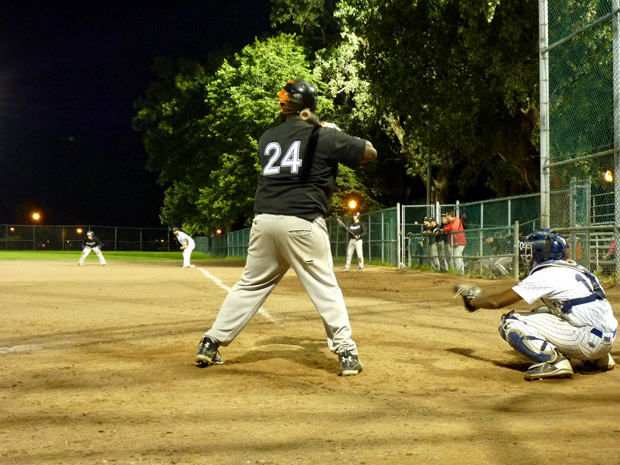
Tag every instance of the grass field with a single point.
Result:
(115, 256)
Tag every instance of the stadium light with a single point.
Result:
(219, 232)
(352, 204)
(36, 216)
(79, 230)
(608, 176)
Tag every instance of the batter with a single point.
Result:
(299, 160)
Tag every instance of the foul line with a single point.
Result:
(221, 285)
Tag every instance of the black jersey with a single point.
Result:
(297, 181)
(357, 229)
(92, 243)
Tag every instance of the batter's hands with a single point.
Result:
(330, 125)
(468, 292)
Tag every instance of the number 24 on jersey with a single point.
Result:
(276, 162)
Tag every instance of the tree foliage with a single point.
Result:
(450, 81)
(458, 78)
(201, 131)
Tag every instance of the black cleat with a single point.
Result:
(349, 363)
(207, 352)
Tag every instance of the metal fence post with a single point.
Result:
(615, 26)
(515, 264)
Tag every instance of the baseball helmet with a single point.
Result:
(90, 233)
(175, 229)
(297, 95)
(541, 245)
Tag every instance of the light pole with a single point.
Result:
(35, 217)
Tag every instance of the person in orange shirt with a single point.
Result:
(456, 240)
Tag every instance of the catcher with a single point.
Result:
(575, 322)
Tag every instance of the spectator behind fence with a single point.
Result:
(442, 244)
(431, 231)
(457, 241)
(611, 254)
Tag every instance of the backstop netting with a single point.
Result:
(580, 106)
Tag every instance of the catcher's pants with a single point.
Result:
(187, 254)
(457, 259)
(87, 250)
(581, 343)
(278, 242)
(355, 245)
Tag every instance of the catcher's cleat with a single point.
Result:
(361, 269)
(602, 364)
(349, 363)
(346, 268)
(207, 351)
(561, 368)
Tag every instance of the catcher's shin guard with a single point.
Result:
(531, 346)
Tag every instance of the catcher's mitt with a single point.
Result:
(468, 292)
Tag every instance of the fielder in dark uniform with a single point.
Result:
(299, 160)
(357, 230)
(89, 244)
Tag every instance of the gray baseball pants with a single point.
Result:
(278, 242)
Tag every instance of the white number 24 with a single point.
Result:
(291, 158)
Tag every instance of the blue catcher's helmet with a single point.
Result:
(541, 245)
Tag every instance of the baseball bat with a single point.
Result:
(309, 117)
(345, 227)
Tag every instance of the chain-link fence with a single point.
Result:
(580, 126)
(394, 236)
(494, 228)
(380, 241)
(38, 237)
(380, 244)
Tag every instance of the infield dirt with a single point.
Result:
(98, 368)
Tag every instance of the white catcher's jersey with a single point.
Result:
(556, 285)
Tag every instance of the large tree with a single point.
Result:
(201, 131)
(457, 78)
(453, 80)
(450, 81)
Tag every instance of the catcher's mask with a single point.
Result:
(297, 95)
(541, 245)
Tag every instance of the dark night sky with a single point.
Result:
(70, 72)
